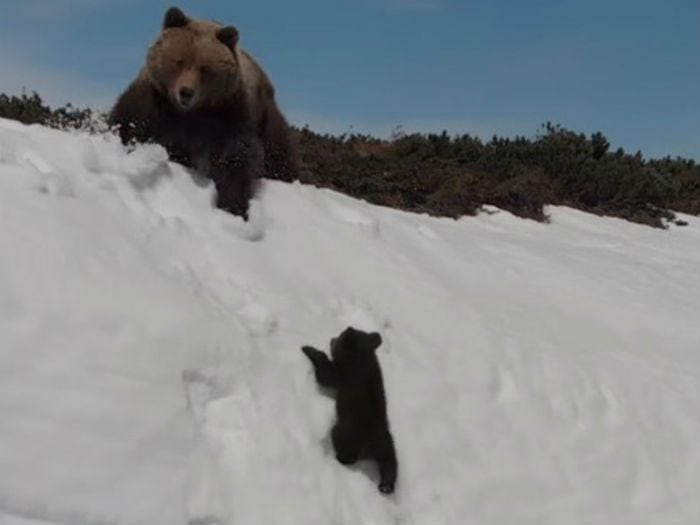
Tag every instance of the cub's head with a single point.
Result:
(354, 344)
(194, 62)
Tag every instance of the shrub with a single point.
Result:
(454, 176)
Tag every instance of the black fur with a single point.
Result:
(220, 143)
(281, 155)
(362, 427)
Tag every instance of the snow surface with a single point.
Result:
(150, 370)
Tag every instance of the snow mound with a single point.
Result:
(150, 370)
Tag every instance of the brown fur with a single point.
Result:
(211, 105)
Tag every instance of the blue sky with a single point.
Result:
(630, 69)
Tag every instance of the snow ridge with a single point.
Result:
(150, 370)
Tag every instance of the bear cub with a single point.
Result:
(362, 427)
(213, 108)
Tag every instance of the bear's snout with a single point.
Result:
(185, 90)
(185, 96)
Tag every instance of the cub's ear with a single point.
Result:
(228, 35)
(175, 18)
(374, 341)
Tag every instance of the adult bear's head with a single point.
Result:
(194, 62)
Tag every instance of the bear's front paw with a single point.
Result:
(386, 487)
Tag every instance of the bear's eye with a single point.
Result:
(179, 63)
(204, 70)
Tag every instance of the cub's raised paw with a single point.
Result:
(311, 352)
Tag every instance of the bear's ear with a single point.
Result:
(175, 18)
(228, 35)
(374, 341)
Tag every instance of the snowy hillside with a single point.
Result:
(150, 370)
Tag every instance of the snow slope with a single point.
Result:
(150, 370)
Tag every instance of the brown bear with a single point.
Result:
(211, 106)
